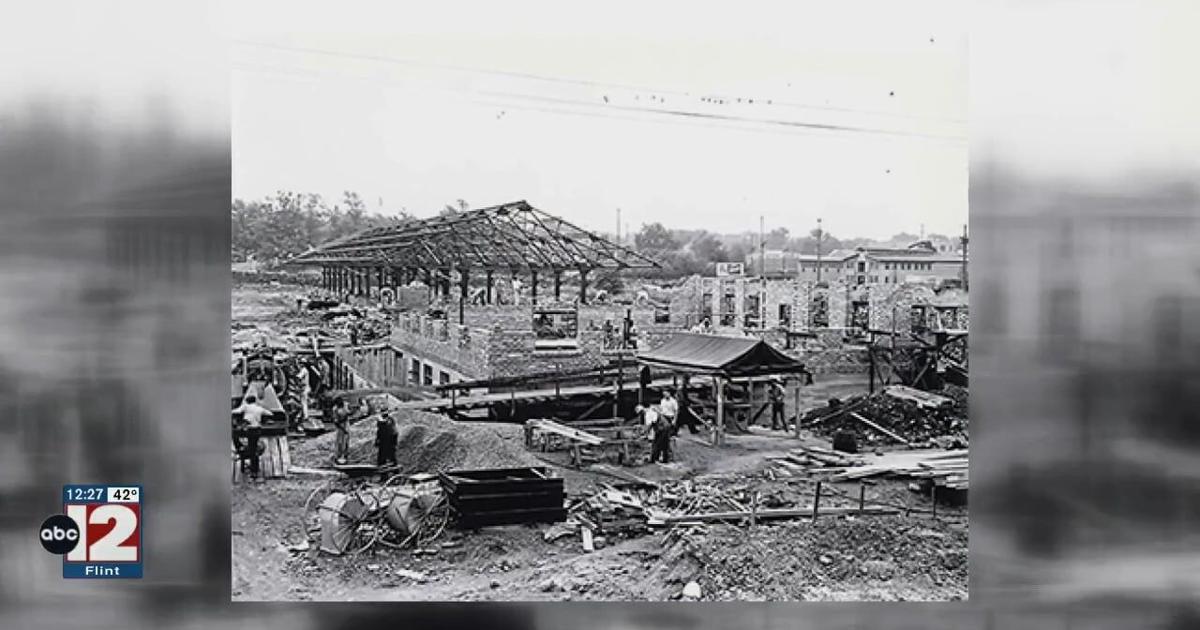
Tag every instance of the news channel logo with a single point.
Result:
(99, 534)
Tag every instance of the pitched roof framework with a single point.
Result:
(509, 236)
(719, 355)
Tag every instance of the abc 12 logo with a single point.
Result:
(100, 534)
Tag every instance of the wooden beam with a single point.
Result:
(801, 512)
(860, 418)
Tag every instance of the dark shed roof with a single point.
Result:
(715, 354)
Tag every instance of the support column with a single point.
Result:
(464, 280)
(489, 286)
(557, 285)
(366, 274)
(719, 429)
(533, 282)
(799, 384)
(583, 286)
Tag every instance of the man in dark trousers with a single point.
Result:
(777, 394)
(385, 441)
(661, 430)
(341, 427)
(252, 415)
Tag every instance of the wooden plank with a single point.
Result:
(878, 428)
(571, 433)
(921, 398)
(285, 459)
(803, 512)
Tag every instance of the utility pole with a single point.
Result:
(964, 239)
(762, 268)
(762, 248)
(818, 250)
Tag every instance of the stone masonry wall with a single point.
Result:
(460, 348)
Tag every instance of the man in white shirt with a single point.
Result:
(660, 432)
(669, 407)
(252, 415)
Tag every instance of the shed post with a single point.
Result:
(799, 383)
(719, 430)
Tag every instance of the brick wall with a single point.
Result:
(886, 302)
(461, 348)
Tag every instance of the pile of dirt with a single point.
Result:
(429, 443)
(794, 561)
(946, 425)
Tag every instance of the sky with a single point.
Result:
(1102, 91)
(582, 110)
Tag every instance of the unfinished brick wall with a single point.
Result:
(512, 353)
(506, 317)
(461, 348)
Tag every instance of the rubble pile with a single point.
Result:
(744, 564)
(945, 426)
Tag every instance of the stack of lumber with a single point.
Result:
(921, 398)
(612, 511)
(947, 470)
(818, 457)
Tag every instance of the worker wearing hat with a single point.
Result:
(385, 442)
(776, 393)
(341, 427)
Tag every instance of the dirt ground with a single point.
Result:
(836, 558)
(888, 558)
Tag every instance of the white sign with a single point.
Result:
(730, 269)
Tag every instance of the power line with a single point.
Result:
(581, 82)
(791, 124)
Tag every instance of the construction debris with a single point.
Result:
(945, 475)
(897, 414)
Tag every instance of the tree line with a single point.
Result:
(286, 224)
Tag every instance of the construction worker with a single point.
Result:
(661, 431)
(776, 393)
(385, 443)
(669, 408)
(341, 427)
(252, 415)
(679, 416)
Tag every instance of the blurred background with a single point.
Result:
(114, 236)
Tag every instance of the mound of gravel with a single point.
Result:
(429, 443)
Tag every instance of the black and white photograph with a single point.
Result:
(611, 309)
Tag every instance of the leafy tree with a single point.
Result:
(708, 248)
(451, 210)
(288, 223)
(655, 238)
(777, 238)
